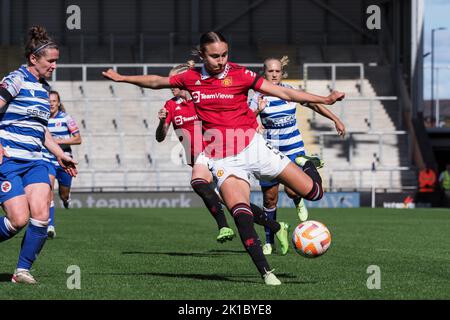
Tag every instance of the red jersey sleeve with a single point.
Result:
(252, 79)
(168, 106)
(178, 80)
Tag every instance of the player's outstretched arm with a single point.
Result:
(144, 81)
(324, 111)
(289, 94)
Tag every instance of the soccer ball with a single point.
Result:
(311, 239)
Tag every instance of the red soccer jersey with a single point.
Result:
(181, 114)
(221, 104)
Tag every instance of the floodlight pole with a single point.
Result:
(432, 70)
(437, 98)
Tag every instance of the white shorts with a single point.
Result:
(259, 159)
(204, 160)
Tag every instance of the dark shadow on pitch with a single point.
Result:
(194, 276)
(5, 277)
(227, 251)
(241, 278)
(210, 253)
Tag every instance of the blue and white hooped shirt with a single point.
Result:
(25, 117)
(280, 123)
(62, 126)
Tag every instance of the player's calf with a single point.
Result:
(212, 201)
(243, 218)
(316, 192)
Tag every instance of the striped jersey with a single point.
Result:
(280, 123)
(62, 126)
(25, 116)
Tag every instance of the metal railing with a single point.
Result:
(333, 67)
(351, 141)
(115, 66)
(373, 183)
(371, 101)
(183, 176)
(145, 69)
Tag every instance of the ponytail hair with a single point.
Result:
(38, 41)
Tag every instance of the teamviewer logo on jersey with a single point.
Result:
(196, 96)
(6, 186)
(178, 120)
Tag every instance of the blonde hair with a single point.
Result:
(182, 67)
(284, 61)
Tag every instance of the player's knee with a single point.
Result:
(40, 211)
(270, 204)
(316, 192)
(270, 201)
(18, 222)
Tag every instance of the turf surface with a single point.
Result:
(172, 254)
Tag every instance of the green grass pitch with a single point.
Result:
(172, 254)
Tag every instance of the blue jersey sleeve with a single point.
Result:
(10, 86)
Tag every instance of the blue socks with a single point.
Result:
(6, 229)
(32, 243)
(271, 215)
(52, 214)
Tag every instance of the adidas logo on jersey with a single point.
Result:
(197, 83)
(178, 108)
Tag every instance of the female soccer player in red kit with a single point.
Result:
(180, 113)
(220, 93)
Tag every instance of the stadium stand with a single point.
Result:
(119, 122)
(123, 117)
